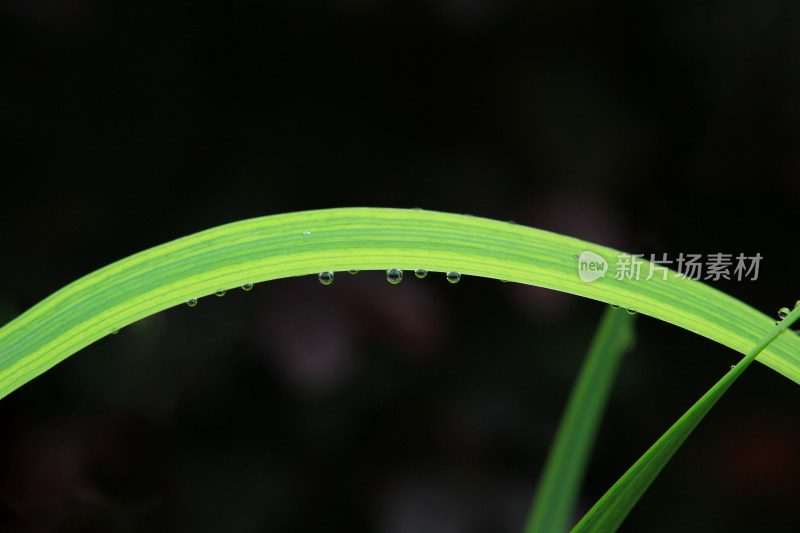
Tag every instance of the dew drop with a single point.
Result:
(733, 366)
(221, 292)
(353, 271)
(115, 331)
(192, 302)
(631, 311)
(453, 277)
(394, 276)
(615, 306)
(306, 233)
(783, 312)
(247, 286)
(326, 278)
(420, 273)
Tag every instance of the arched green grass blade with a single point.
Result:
(558, 488)
(307, 242)
(610, 511)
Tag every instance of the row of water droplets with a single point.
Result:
(393, 276)
(221, 292)
(192, 302)
(630, 310)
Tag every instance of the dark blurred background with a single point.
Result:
(653, 127)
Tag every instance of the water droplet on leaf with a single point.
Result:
(783, 312)
(453, 277)
(420, 273)
(631, 311)
(247, 286)
(115, 331)
(192, 302)
(306, 233)
(615, 306)
(733, 366)
(394, 276)
(221, 292)
(353, 271)
(326, 278)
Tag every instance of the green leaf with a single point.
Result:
(309, 242)
(566, 462)
(609, 512)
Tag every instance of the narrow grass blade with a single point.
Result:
(609, 512)
(310, 242)
(566, 462)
